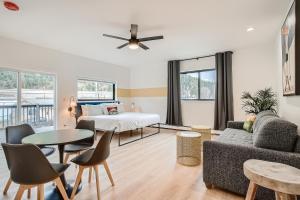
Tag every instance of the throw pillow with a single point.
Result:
(112, 110)
(248, 124)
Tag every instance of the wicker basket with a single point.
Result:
(189, 148)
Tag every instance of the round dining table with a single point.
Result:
(59, 138)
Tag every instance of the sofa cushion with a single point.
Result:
(260, 118)
(297, 145)
(236, 136)
(275, 133)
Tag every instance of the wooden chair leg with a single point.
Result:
(20, 192)
(282, 196)
(28, 193)
(61, 189)
(251, 191)
(40, 192)
(8, 183)
(66, 158)
(90, 174)
(97, 181)
(108, 173)
(77, 182)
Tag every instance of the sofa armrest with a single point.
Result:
(235, 124)
(223, 164)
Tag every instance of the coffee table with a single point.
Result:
(283, 179)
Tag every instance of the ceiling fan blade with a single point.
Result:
(115, 37)
(151, 38)
(123, 45)
(143, 46)
(134, 30)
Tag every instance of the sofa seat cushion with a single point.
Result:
(236, 136)
(275, 133)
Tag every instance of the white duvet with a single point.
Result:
(123, 121)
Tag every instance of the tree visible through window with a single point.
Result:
(95, 90)
(198, 85)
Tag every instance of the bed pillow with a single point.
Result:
(112, 110)
(121, 108)
(92, 110)
(106, 105)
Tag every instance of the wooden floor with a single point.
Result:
(146, 169)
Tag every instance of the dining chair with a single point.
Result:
(92, 158)
(76, 148)
(30, 168)
(14, 135)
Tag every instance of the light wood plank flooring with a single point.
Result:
(146, 169)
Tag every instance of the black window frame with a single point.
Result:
(199, 84)
(100, 100)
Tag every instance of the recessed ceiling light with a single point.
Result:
(249, 29)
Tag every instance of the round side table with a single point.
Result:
(188, 148)
(281, 178)
(205, 132)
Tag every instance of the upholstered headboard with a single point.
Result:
(78, 110)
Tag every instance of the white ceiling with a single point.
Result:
(190, 27)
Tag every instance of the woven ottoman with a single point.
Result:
(188, 148)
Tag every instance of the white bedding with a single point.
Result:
(123, 121)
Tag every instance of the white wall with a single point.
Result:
(68, 68)
(254, 68)
(150, 76)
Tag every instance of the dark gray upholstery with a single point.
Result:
(15, 134)
(275, 133)
(259, 118)
(29, 166)
(297, 146)
(86, 143)
(236, 136)
(235, 124)
(223, 159)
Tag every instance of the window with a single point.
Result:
(198, 85)
(95, 90)
(27, 97)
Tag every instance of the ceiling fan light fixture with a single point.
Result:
(133, 46)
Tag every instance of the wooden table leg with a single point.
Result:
(251, 191)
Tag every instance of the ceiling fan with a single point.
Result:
(134, 42)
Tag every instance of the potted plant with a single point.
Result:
(262, 100)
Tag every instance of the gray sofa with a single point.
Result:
(273, 139)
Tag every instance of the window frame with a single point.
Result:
(199, 84)
(100, 100)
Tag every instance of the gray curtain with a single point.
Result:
(224, 93)
(174, 102)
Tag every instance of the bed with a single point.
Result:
(124, 121)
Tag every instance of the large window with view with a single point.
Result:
(198, 85)
(27, 97)
(95, 90)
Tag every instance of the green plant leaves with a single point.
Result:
(262, 100)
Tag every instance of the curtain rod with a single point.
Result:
(196, 58)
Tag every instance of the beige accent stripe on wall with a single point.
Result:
(142, 92)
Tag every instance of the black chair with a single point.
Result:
(92, 158)
(14, 135)
(83, 145)
(30, 168)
